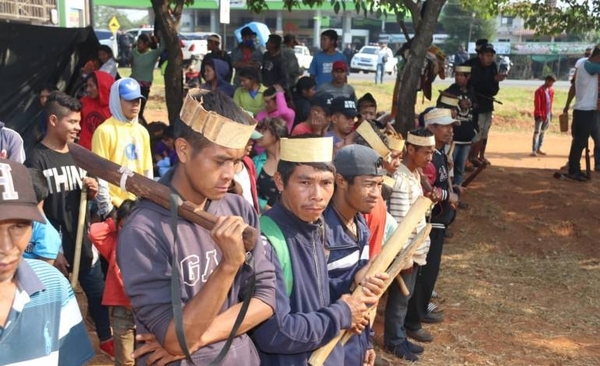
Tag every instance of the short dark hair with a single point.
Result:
(40, 184)
(276, 126)
(144, 38)
(305, 83)
(49, 87)
(60, 104)
(331, 34)
(125, 209)
(367, 100)
(107, 49)
(214, 101)
(248, 73)
(93, 77)
(422, 132)
(269, 92)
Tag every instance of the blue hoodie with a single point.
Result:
(307, 319)
(222, 71)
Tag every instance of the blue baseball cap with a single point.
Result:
(129, 89)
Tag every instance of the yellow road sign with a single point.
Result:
(114, 25)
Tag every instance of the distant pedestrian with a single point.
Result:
(321, 66)
(543, 99)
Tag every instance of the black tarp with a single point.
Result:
(31, 57)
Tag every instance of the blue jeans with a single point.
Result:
(379, 73)
(459, 156)
(92, 283)
(538, 133)
(396, 308)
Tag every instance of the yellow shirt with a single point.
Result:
(126, 144)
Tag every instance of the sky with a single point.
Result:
(134, 14)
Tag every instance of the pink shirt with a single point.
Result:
(282, 111)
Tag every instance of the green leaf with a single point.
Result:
(336, 7)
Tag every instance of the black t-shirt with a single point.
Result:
(62, 205)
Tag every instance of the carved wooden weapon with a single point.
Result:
(474, 175)
(392, 249)
(147, 188)
(79, 236)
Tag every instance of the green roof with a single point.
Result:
(203, 4)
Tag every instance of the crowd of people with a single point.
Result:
(300, 159)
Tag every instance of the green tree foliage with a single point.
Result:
(552, 17)
(103, 14)
(464, 23)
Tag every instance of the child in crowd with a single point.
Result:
(104, 237)
(276, 106)
(318, 118)
(164, 152)
(367, 108)
(542, 113)
(338, 86)
(45, 242)
(249, 95)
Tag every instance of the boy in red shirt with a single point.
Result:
(543, 98)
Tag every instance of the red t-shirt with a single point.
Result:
(376, 222)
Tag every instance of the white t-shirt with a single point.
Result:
(243, 178)
(586, 88)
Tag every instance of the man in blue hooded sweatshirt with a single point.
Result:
(306, 315)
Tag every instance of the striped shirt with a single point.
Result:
(44, 325)
(404, 194)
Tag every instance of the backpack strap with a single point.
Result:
(273, 233)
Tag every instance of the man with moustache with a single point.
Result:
(308, 315)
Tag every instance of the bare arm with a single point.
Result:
(570, 97)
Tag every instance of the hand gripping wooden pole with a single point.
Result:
(403, 260)
(392, 249)
(147, 188)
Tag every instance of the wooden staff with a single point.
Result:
(149, 189)
(391, 251)
(474, 175)
(79, 237)
(394, 271)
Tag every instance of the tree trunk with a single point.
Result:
(407, 95)
(167, 26)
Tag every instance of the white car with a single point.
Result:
(303, 56)
(107, 38)
(366, 60)
(194, 44)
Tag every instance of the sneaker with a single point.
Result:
(108, 348)
(433, 318)
(540, 152)
(533, 153)
(401, 351)
(421, 335)
(578, 176)
(414, 348)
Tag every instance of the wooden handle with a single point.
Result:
(147, 188)
(394, 251)
(79, 236)
(474, 175)
(402, 285)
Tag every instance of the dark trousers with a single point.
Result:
(583, 126)
(92, 283)
(396, 308)
(145, 90)
(426, 278)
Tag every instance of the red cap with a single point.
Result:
(340, 65)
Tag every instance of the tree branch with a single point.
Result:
(404, 29)
(415, 11)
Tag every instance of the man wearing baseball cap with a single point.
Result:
(121, 138)
(39, 307)
(213, 45)
(343, 115)
(358, 183)
(338, 86)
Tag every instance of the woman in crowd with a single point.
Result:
(249, 95)
(276, 106)
(107, 61)
(304, 92)
(143, 60)
(94, 105)
(272, 130)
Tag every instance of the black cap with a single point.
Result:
(356, 160)
(346, 106)
(488, 47)
(481, 42)
(322, 100)
(17, 197)
(247, 31)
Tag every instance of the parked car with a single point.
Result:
(107, 38)
(366, 60)
(304, 57)
(195, 44)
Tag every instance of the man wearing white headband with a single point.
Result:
(407, 188)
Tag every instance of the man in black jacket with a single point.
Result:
(213, 44)
(485, 81)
